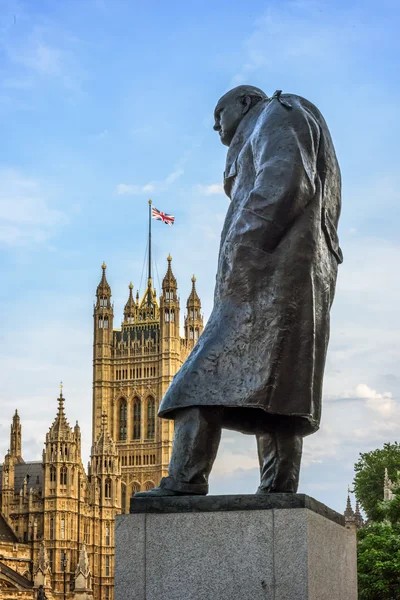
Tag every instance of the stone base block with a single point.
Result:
(275, 547)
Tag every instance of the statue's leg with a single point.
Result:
(279, 455)
(194, 448)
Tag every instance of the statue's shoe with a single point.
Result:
(158, 492)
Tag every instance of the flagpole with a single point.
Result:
(149, 278)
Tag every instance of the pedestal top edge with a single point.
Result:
(185, 504)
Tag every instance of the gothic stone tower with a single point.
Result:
(132, 369)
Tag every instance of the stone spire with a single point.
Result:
(169, 281)
(103, 289)
(349, 512)
(82, 567)
(130, 307)
(194, 318)
(16, 439)
(41, 570)
(358, 516)
(387, 487)
(60, 427)
(82, 586)
(193, 296)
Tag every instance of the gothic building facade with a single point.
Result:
(132, 368)
(56, 519)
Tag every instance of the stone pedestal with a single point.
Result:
(275, 547)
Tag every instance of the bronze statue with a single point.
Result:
(258, 366)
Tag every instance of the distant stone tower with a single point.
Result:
(62, 475)
(104, 472)
(132, 369)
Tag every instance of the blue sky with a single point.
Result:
(105, 103)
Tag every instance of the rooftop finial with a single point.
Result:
(61, 388)
(169, 258)
(104, 266)
(130, 286)
(193, 279)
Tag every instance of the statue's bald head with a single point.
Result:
(232, 107)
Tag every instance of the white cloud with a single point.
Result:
(40, 57)
(129, 189)
(26, 216)
(210, 190)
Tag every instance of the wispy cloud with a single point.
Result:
(210, 190)
(26, 215)
(129, 189)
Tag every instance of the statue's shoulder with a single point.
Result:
(286, 107)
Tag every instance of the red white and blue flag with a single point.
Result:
(160, 216)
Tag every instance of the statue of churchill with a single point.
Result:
(258, 366)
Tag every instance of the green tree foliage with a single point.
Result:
(379, 562)
(368, 481)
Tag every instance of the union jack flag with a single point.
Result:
(160, 216)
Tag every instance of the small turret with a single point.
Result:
(103, 308)
(358, 516)
(169, 304)
(41, 570)
(16, 438)
(194, 318)
(130, 307)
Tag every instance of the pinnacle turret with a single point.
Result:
(60, 427)
(130, 307)
(169, 282)
(103, 289)
(16, 438)
(349, 512)
(194, 318)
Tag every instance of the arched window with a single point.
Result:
(107, 566)
(63, 476)
(137, 416)
(151, 418)
(196, 334)
(167, 315)
(105, 322)
(108, 541)
(53, 474)
(191, 333)
(52, 528)
(135, 487)
(62, 528)
(107, 489)
(172, 316)
(122, 419)
(149, 485)
(100, 322)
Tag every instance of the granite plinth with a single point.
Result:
(275, 547)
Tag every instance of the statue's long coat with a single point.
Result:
(265, 342)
